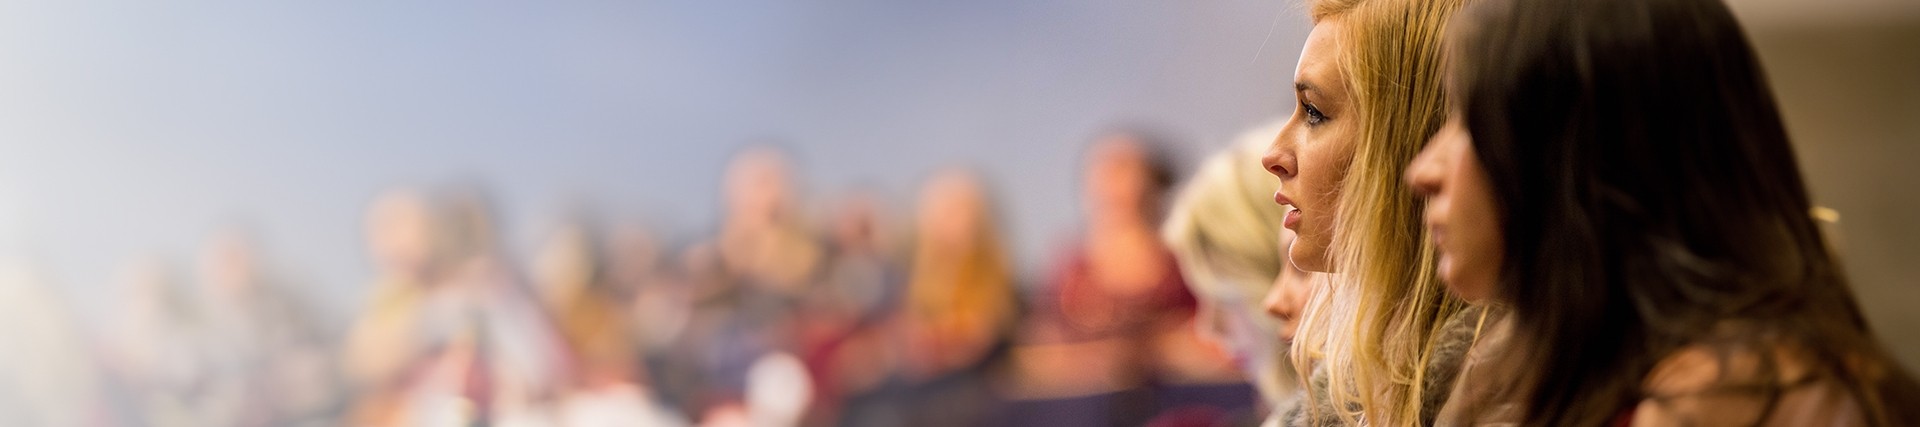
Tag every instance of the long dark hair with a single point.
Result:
(1650, 200)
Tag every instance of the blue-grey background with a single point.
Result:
(131, 129)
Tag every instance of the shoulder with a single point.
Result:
(1447, 360)
(1480, 388)
(1726, 368)
(1456, 336)
(1712, 385)
(1310, 407)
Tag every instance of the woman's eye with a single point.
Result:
(1313, 114)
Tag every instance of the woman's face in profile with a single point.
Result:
(1312, 151)
(1460, 213)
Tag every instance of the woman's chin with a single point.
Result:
(1313, 263)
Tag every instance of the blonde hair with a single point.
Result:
(964, 288)
(1372, 330)
(1225, 230)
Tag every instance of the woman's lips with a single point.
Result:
(1293, 212)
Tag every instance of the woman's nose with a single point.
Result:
(1423, 175)
(1278, 304)
(1276, 160)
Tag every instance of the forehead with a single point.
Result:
(1318, 68)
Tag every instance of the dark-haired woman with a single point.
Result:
(1615, 174)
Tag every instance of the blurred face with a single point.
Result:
(1312, 151)
(854, 225)
(400, 232)
(564, 265)
(1117, 176)
(951, 206)
(636, 252)
(227, 265)
(1460, 211)
(757, 187)
(1242, 332)
(1289, 295)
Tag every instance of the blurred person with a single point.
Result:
(1114, 293)
(584, 290)
(861, 277)
(448, 280)
(1381, 343)
(48, 374)
(845, 332)
(580, 287)
(762, 239)
(748, 280)
(1111, 337)
(270, 345)
(678, 364)
(658, 302)
(1119, 279)
(1227, 237)
(960, 293)
(527, 352)
(959, 314)
(662, 313)
(1617, 173)
(573, 280)
(1288, 298)
(400, 235)
(159, 349)
(635, 266)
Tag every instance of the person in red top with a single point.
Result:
(1113, 311)
(1119, 279)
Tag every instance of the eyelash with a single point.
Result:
(1314, 117)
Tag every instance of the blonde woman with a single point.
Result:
(1368, 87)
(960, 293)
(1228, 241)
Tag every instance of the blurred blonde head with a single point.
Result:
(1226, 232)
(565, 267)
(1223, 224)
(571, 272)
(1372, 329)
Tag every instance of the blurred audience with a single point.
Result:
(747, 281)
(960, 293)
(1113, 292)
(573, 281)
(1111, 340)
(159, 350)
(959, 313)
(271, 350)
(400, 237)
(48, 375)
(862, 319)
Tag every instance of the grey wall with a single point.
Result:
(1850, 91)
(136, 129)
